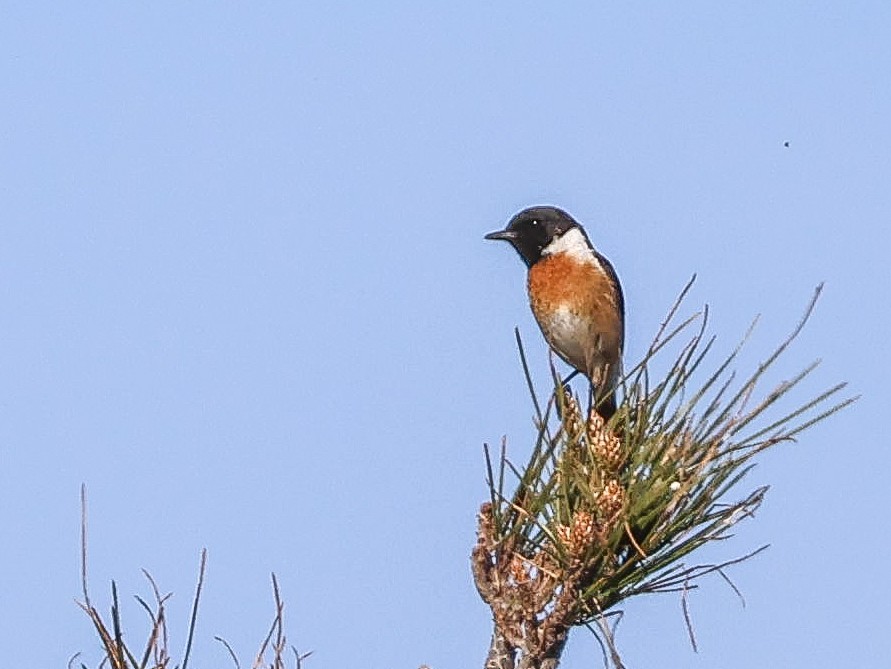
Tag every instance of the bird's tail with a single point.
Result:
(605, 404)
(604, 393)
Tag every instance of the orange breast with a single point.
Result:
(575, 306)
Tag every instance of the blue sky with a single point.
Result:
(245, 299)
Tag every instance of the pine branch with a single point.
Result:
(601, 512)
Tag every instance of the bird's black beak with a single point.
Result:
(506, 235)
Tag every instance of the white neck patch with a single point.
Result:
(573, 243)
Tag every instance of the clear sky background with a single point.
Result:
(244, 298)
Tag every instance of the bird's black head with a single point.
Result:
(530, 231)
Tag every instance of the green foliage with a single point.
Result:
(600, 513)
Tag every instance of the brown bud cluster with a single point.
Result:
(579, 534)
(486, 527)
(607, 448)
(611, 501)
(572, 416)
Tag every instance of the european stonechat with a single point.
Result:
(575, 296)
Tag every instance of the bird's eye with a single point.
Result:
(534, 223)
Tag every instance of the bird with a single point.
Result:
(575, 296)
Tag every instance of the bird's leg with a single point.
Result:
(565, 382)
